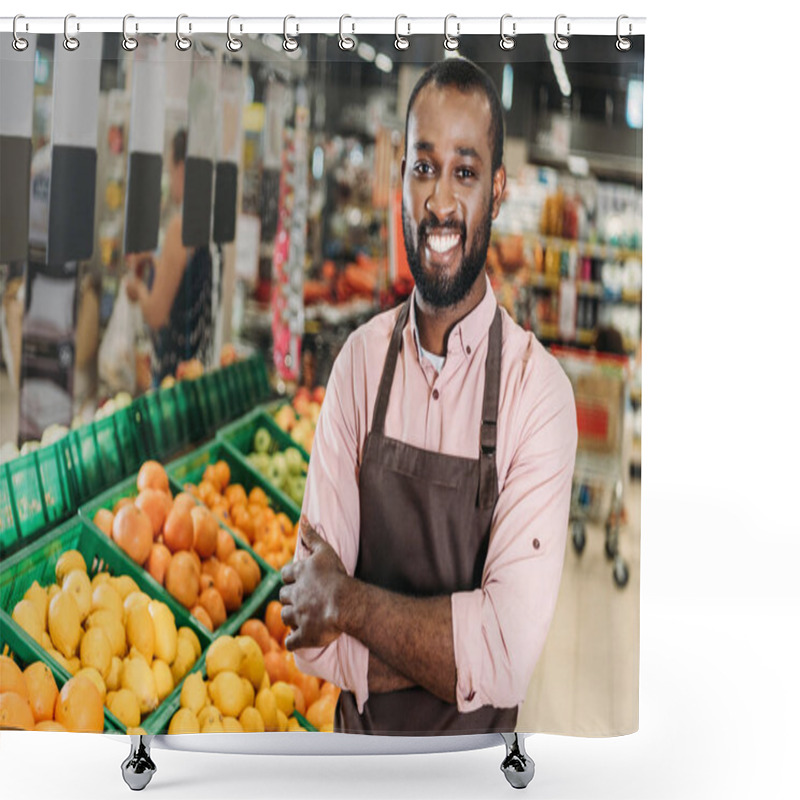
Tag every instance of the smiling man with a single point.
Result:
(437, 502)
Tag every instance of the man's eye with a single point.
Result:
(423, 169)
(464, 172)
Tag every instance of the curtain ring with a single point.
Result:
(451, 42)
(507, 42)
(561, 42)
(70, 42)
(129, 43)
(401, 42)
(289, 43)
(19, 44)
(182, 42)
(623, 44)
(345, 42)
(233, 44)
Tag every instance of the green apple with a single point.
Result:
(262, 441)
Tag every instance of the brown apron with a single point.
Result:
(425, 524)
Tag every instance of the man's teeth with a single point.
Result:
(441, 244)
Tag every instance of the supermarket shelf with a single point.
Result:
(589, 249)
(550, 333)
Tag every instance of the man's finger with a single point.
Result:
(293, 640)
(288, 616)
(287, 573)
(311, 539)
(285, 595)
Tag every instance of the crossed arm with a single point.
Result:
(410, 640)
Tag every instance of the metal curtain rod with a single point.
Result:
(297, 26)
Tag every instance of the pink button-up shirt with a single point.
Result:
(499, 629)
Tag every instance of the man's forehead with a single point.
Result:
(448, 110)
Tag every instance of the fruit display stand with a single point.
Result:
(189, 470)
(257, 433)
(36, 491)
(128, 489)
(38, 562)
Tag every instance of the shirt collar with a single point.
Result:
(468, 332)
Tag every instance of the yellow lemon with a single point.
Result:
(183, 721)
(284, 697)
(163, 678)
(251, 720)
(187, 633)
(105, 596)
(64, 623)
(295, 726)
(194, 692)
(96, 649)
(268, 709)
(184, 660)
(125, 707)
(252, 666)
(67, 562)
(138, 677)
(283, 721)
(124, 585)
(114, 678)
(28, 617)
(165, 643)
(79, 584)
(38, 596)
(232, 725)
(227, 693)
(223, 654)
(140, 631)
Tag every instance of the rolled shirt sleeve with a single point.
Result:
(331, 504)
(499, 630)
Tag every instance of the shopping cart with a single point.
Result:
(598, 382)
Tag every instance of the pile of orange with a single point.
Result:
(181, 544)
(30, 700)
(315, 699)
(271, 534)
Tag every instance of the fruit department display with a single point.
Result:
(152, 607)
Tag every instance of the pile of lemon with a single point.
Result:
(236, 696)
(107, 630)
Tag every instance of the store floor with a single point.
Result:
(586, 682)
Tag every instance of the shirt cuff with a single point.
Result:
(466, 606)
(345, 663)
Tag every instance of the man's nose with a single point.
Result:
(441, 202)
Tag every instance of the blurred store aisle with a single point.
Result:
(587, 679)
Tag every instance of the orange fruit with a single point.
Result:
(285, 522)
(257, 630)
(205, 531)
(15, 712)
(272, 618)
(309, 686)
(258, 496)
(179, 528)
(210, 476)
(104, 519)
(322, 711)
(156, 505)
(299, 698)
(236, 494)
(133, 532)
(152, 476)
(183, 502)
(223, 475)
(79, 707)
(11, 677)
(42, 690)
(49, 725)
(276, 666)
(120, 504)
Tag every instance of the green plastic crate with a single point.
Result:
(189, 469)
(232, 382)
(38, 561)
(131, 444)
(36, 493)
(266, 592)
(127, 488)
(240, 436)
(15, 643)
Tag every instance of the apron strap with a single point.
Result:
(385, 388)
(487, 490)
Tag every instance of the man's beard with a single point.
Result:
(436, 288)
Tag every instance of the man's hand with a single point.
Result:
(309, 596)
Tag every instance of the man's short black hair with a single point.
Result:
(465, 76)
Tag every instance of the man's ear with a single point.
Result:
(498, 188)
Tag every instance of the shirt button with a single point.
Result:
(469, 350)
(471, 696)
(535, 544)
(435, 394)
